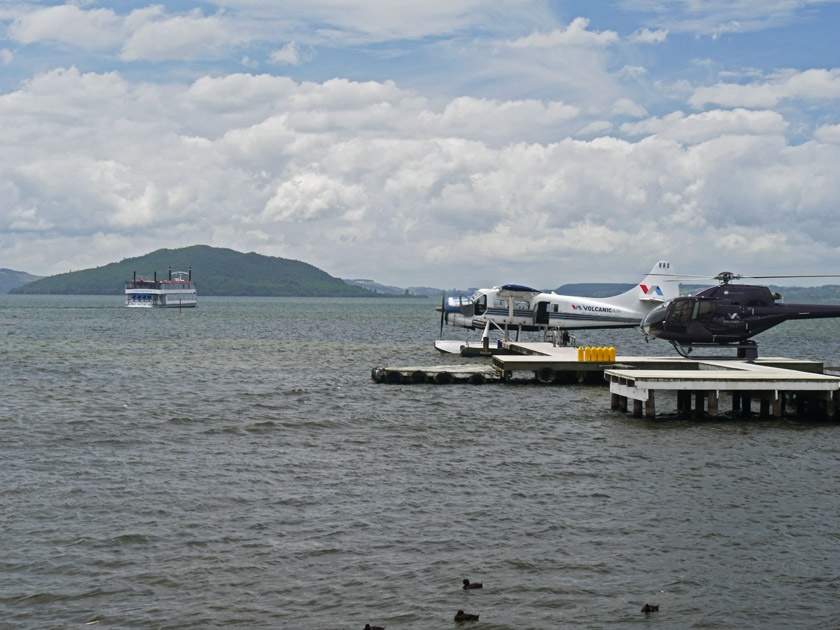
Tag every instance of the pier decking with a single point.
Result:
(776, 383)
(742, 380)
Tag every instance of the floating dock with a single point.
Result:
(437, 374)
(776, 384)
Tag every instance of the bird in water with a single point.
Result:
(649, 608)
(462, 616)
(370, 627)
(469, 585)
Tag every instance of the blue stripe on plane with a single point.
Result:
(593, 318)
(578, 317)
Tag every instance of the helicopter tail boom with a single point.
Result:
(810, 311)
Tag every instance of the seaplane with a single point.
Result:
(512, 307)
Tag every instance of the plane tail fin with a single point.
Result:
(660, 285)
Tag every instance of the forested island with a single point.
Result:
(221, 271)
(216, 271)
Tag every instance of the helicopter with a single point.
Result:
(727, 315)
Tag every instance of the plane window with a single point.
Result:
(481, 305)
(556, 307)
(521, 305)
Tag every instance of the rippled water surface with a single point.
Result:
(234, 466)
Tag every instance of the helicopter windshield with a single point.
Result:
(685, 309)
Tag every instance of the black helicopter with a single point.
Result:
(727, 316)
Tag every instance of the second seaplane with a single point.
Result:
(514, 308)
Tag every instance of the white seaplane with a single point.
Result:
(514, 307)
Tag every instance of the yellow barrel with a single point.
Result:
(587, 354)
(580, 353)
(612, 353)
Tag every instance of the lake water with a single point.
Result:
(234, 466)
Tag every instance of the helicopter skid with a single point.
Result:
(745, 350)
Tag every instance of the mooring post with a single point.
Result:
(829, 405)
(736, 401)
(700, 406)
(614, 401)
(650, 405)
(713, 403)
(746, 403)
(622, 403)
(778, 404)
(764, 407)
(800, 404)
(683, 401)
(637, 408)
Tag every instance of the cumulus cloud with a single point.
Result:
(70, 25)
(489, 119)
(815, 84)
(575, 34)
(190, 36)
(626, 107)
(709, 125)
(828, 133)
(143, 34)
(288, 54)
(346, 175)
(647, 36)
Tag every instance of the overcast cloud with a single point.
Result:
(457, 143)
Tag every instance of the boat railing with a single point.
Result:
(159, 284)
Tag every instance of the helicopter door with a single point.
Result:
(541, 314)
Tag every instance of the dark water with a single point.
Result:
(234, 466)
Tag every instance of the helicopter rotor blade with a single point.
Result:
(819, 275)
(727, 276)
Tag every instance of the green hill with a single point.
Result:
(215, 271)
(11, 279)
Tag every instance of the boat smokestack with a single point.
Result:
(170, 273)
(189, 271)
(135, 277)
(155, 276)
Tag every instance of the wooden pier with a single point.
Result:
(772, 386)
(701, 386)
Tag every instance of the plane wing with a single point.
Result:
(517, 292)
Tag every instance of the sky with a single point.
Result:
(443, 143)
